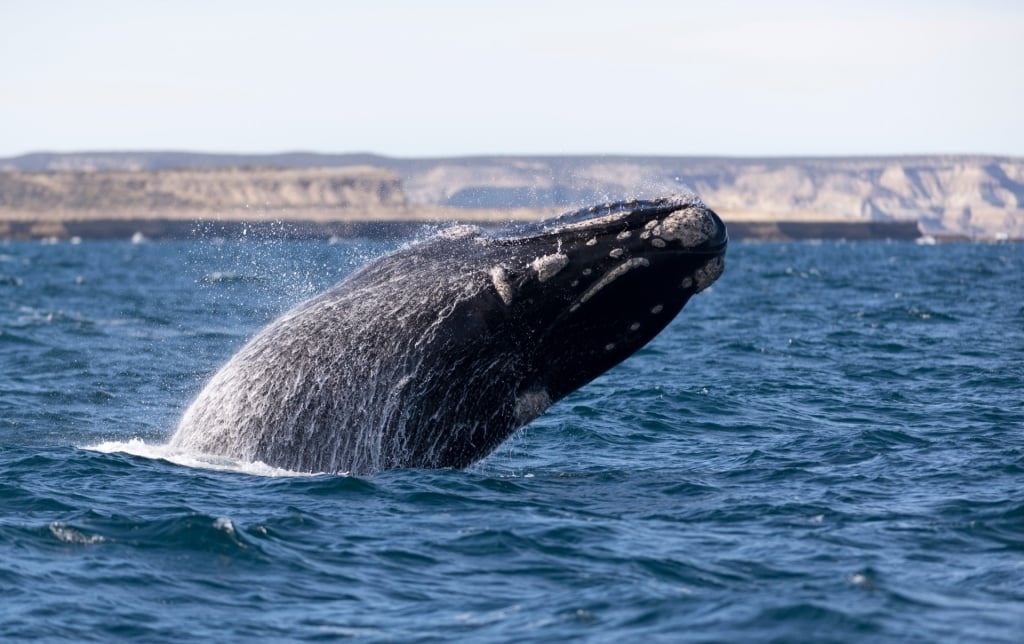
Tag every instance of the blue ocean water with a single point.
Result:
(827, 445)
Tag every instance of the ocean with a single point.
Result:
(827, 445)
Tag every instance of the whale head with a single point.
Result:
(589, 288)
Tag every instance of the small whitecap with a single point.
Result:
(71, 535)
(139, 447)
(225, 524)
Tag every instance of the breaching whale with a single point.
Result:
(433, 355)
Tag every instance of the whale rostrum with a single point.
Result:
(434, 354)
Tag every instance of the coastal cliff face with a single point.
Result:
(976, 196)
(187, 192)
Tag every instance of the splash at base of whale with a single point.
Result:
(432, 355)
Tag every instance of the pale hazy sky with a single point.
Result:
(441, 78)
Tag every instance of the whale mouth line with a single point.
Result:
(607, 279)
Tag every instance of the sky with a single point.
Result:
(450, 78)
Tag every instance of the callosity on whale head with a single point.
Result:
(434, 354)
(604, 281)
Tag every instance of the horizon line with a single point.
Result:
(510, 155)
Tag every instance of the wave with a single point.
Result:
(164, 452)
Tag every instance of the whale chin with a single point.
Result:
(434, 354)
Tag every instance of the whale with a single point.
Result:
(432, 355)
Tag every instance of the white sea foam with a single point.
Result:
(139, 447)
(71, 535)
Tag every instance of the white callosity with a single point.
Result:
(603, 221)
(548, 266)
(688, 226)
(709, 272)
(499, 278)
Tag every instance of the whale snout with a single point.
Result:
(717, 233)
(685, 223)
(675, 220)
(696, 232)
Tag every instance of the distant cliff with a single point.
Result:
(975, 196)
(979, 196)
(170, 193)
